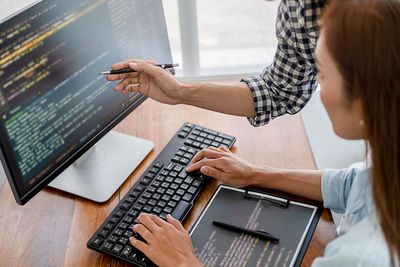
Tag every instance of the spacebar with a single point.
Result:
(181, 209)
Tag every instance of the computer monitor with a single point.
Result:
(54, 106)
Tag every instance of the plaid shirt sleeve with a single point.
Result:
(287, 84)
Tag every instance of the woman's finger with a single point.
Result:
(216, 163)
(212, 172)
(205, 153)
(142, 231)
(175, 223)
(140, 245)
(157, 220)
(145, 220)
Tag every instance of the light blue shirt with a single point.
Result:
(360, 241)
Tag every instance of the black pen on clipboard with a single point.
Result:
(256, 233)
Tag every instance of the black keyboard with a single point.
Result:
(164, 188)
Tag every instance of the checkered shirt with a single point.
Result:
(287, 84)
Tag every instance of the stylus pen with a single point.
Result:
(128, 70)
(256, 233)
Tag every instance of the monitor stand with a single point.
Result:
(98, 173)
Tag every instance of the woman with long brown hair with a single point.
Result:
(358, 55)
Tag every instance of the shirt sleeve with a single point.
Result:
(287, 84)
(335, 187)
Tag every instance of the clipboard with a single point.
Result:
(293, 222)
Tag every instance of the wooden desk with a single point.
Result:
(52, 229)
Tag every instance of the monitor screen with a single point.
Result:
(53, 104)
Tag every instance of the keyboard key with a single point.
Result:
(184, 186)
(162, 204)
(169, 179)
(156, 196)
(123, 240)
(170, 166)
(180, 153)
(140, 188)
(142, 201)
(176, 158)
(125, 206)
(133, 213)
(168, 210)
(170, 192)
(119, 213)
(176, 197)
(138, 207)
(184, 161)
(203, 134)
(192, 190)
(196, 144)
(209, 131)
(189, 179)
(123, 226)
(157, 210)
(108, 246)
(218, 139)
(114, 220)
(135, 194)
(158, 165)
(147, 208)
(226, 136)
(172, 204)
(113, 239)
(203, 146)
(173, 174)
(180, 192)
(192, 151)
(152, 202)
(188, 155)
(117, 249)
(104, 233)
(126, 252)
(174, 186)
(128, 219)
(177, 168)
(187, 197)
(156, 183)
(166, 198)
(128, 234)
(180, 210)
(145, 181)
(189, 142)
(160, 191)
(96, 242)
(109, 226)
(165, 184)
(215, 144)
(118, 232)
(147, 194)
(196, 183)
(154, 170)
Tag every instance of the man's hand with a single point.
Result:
(168, 243)
(223, 165)
(154, 82)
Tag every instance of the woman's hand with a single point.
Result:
(223, 165)
(168, 243)
(154, 82)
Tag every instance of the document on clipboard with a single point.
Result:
(292, 222)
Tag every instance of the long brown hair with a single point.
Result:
(363, 38)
